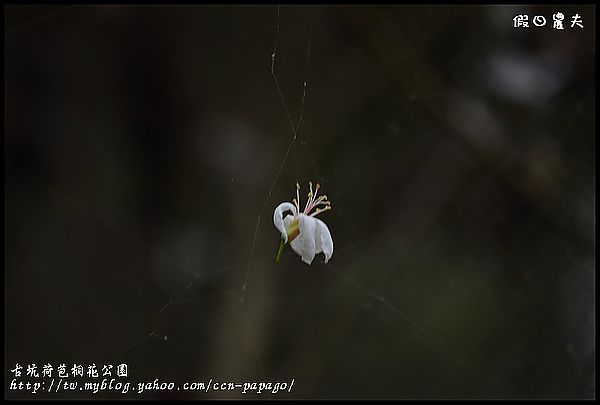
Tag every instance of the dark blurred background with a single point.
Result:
(458, 153)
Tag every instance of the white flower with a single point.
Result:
(307, 235)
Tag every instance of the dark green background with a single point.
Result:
(458, 153)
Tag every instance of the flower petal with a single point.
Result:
(324, 242)
(304, 244)
(278, 218)
(288, 220)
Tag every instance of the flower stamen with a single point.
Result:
(297, 202)
(314, 201)
(319, 210)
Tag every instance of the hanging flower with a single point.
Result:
(307, 235)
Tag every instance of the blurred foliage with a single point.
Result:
(458, 152)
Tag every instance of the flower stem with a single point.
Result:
(281, 245)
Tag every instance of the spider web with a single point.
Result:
(238, 316)
(241, 295)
